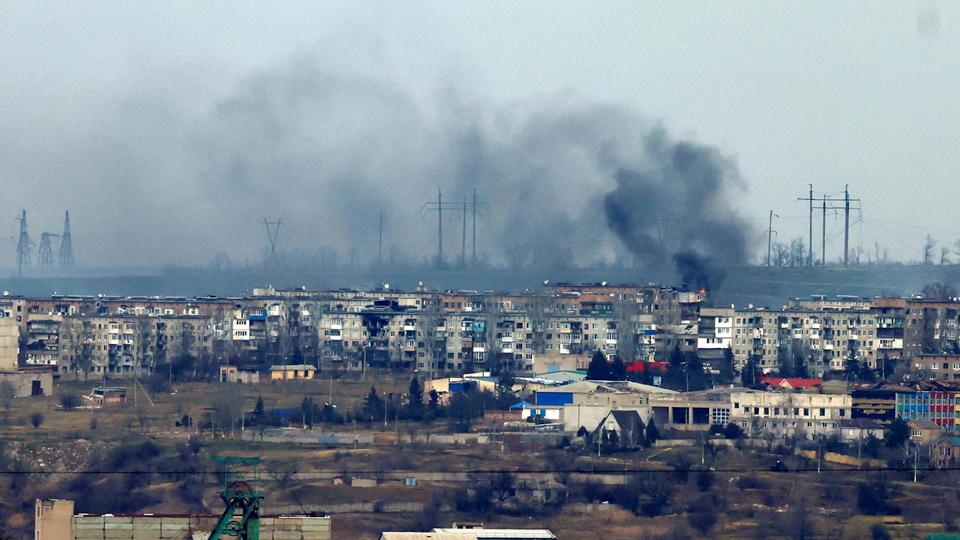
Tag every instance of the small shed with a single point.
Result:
(108, 396)
(286, 372)
(241, 375)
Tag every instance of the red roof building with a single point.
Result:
(653, 367)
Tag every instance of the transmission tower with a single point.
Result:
(46, 248)
(273, 237)
(66, 244)
(23, 244)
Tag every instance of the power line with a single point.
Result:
(833, 203)
(439, 206)
(503, 471)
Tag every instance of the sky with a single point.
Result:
(148, 120)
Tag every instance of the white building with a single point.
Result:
(790, 414)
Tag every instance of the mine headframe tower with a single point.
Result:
(241, 495)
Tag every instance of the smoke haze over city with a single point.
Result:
(171, 132)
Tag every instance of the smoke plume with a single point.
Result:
(677, 209)
(161, 175)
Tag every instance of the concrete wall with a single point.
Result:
(306, 436)
(191, 527)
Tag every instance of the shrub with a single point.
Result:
(732, 431)
(704, 517)
(36, 419)
(873, 498)
(704, 480)
(879, 532)
(749, 482)
(69, 401)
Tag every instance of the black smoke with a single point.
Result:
(678, 210)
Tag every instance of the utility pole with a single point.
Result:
(439, 229)
(832, 203)
(916, 460)
(846, 224)
(823, 230)
(380, 244)
(463, 237)
(770, 232)
(439, 206)
(810, 246)
(819, 454)
(474, 244)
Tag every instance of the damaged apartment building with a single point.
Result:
(344, 329)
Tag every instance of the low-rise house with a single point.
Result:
(288, 372)
(860, 429)
(945, 452)
(924, 432)
(623, 426)
(242, 375)
(107, 396)
(444, 387)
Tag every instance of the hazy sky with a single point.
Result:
(107, 105)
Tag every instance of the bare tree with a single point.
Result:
(798, 253)
(881, 256)
(856, 256)
(780, 254)
(281, 473)
(928, 246)
(944, 255)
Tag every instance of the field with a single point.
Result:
(733, 494)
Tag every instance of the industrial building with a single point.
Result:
(55, 520)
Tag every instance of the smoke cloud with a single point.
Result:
(156, 178)
(677, 209)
